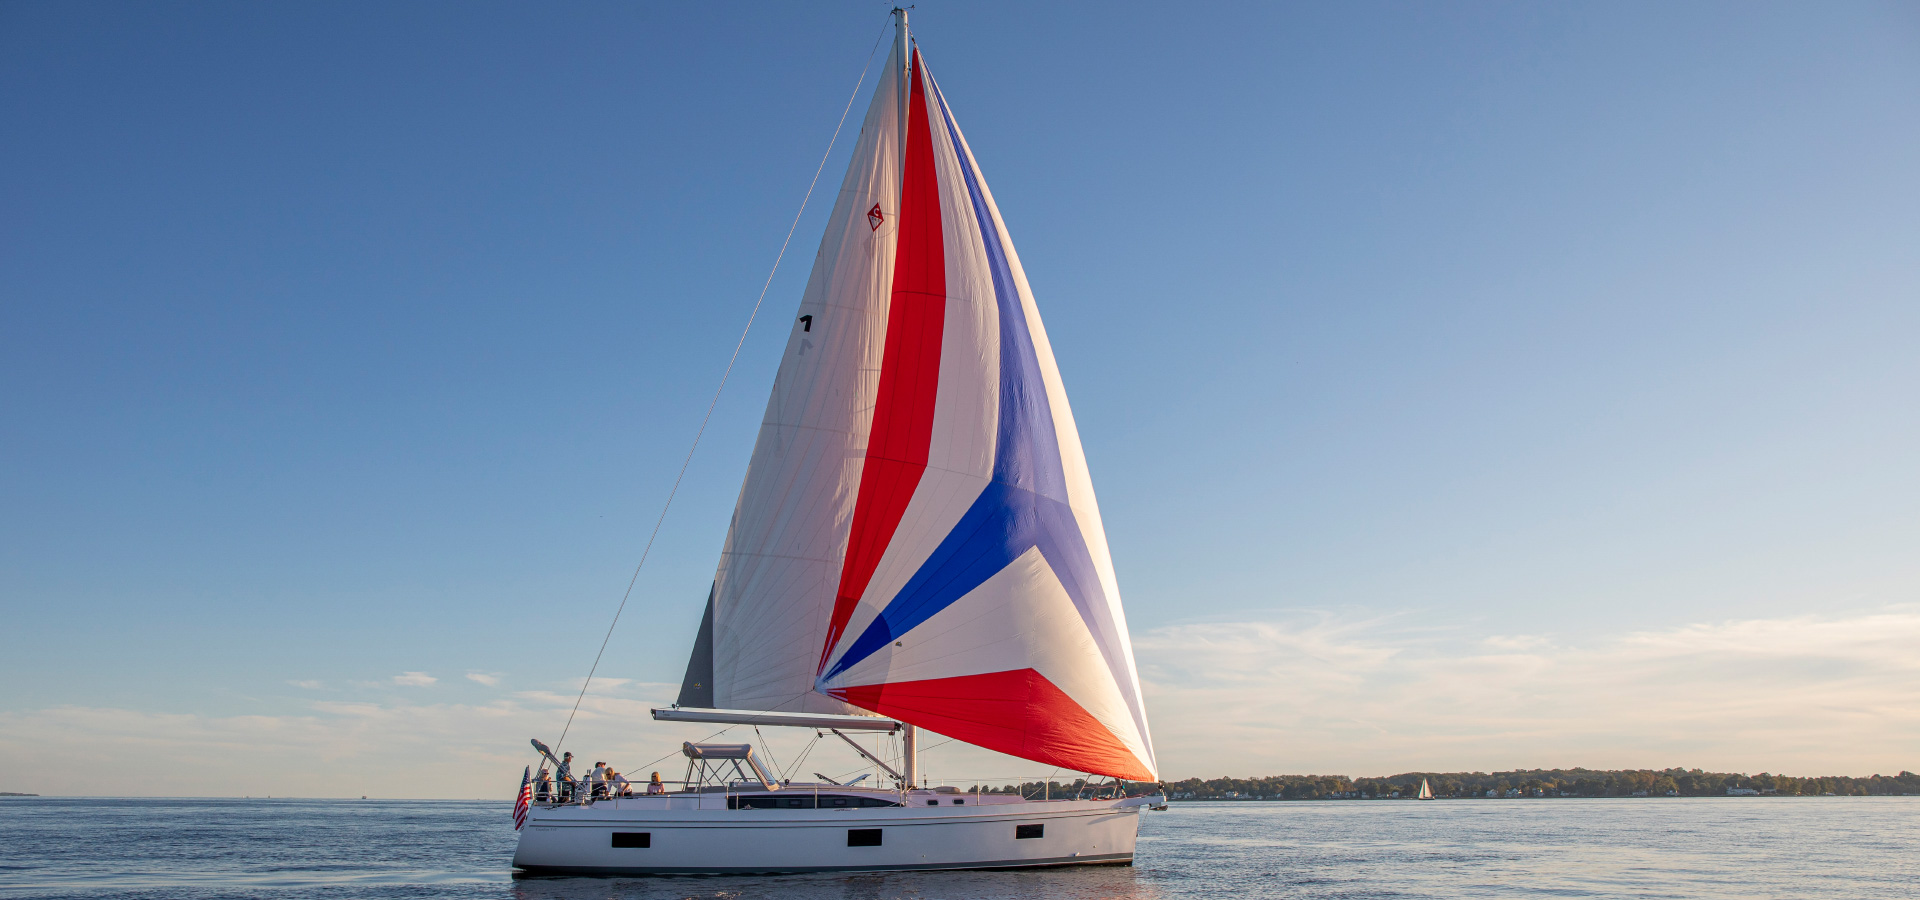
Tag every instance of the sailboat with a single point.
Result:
(1426, 793)
(916, 546)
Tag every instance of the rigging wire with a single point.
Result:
(777, 768)
(806, 751)
(1045, 786)
(716, 391)
(700, 741)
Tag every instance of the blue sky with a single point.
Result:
(352, 341)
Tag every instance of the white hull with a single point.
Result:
(689, 834)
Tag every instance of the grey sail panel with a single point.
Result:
(696, 689)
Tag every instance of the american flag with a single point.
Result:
(521, 803)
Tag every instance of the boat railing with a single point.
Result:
(1044, 790)
(584, 793)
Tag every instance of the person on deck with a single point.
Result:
(542, 786)
(654, 786)
(597, 781)
(620, 786)
(566, 777)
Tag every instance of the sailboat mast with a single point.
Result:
(909, 735)
(910, 751)
(901, 50)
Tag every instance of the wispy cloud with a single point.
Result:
(484, 678)
(1829, 694)
(308, 684)
(1322, 692)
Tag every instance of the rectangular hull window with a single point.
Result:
(863, 837)
(638, 840)
(1027, 832)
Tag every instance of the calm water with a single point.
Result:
(370, 850)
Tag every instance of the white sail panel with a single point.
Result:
(774, 587)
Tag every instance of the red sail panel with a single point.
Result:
(1019, 713)
(909, 369)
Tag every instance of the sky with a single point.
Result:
(1466, 386)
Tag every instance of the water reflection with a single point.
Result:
(1077, 883)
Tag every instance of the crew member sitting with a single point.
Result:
(654, 786)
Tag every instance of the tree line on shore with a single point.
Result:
(1538, 783)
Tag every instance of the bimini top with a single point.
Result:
(738, 753)
(716, 751)
(917, 535)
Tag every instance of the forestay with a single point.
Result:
(917, 535)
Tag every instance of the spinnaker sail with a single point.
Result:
(917, 535)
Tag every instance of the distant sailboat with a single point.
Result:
(1426, 793)
(916, 545)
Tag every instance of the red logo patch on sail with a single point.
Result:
(875, 217)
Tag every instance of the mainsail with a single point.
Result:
(917, 535)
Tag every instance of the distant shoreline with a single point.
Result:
(12, 794)
(1391, 799)
(1543, 783)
